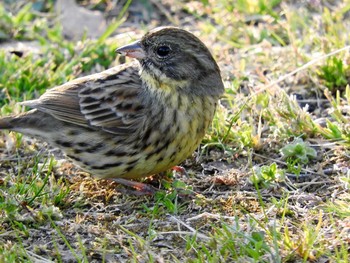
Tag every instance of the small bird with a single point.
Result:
(135, 119)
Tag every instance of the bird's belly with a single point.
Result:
(144, 154)
(147, 162)
(104, 158)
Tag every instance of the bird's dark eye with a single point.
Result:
(163, 51)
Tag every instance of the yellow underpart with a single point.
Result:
(165, 84)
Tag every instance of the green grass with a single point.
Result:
(272, 183)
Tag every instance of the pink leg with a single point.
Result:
(142, 189)
(180, 169)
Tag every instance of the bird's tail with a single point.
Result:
(16, 122)
(32, 123)
(5, 123)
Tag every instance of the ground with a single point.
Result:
(270, 182)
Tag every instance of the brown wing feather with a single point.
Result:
(108, 100)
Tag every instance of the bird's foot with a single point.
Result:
(180, 170)
(141, 188)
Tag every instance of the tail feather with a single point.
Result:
(5, 123)
(22, 121)
(32, 123)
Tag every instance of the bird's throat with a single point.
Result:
(159, 81)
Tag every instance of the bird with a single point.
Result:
(136, 119)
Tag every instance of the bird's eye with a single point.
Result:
(163, 51)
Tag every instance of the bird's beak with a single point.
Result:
(133, 50)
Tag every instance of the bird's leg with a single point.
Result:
(180, 170)
(142, 189)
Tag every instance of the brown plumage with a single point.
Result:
(135, 119)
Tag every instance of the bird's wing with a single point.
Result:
(109, 100)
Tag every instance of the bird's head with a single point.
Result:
(174, 57)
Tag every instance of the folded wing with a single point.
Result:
(109, 100)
